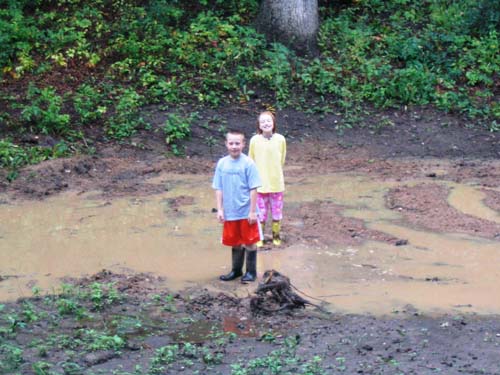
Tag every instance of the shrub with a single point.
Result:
(127, 117)
(87, 102)
(43, 112)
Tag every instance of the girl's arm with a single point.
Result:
(251, 149)
(283, 152)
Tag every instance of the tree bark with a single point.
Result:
(294, 23)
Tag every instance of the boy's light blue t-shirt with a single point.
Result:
(235, 178)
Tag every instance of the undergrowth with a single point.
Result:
(113, 57)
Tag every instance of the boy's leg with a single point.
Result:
(238, 257)
(251, 271)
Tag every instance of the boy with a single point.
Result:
(236, 180)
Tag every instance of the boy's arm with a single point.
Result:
(252, 216)
(220, 208)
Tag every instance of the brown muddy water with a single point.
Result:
(78, 235)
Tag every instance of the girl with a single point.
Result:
(268, 150)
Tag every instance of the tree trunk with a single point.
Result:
(294, 23)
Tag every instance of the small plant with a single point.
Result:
(14, 322)
(177, 127)
(13, 157)
(170, 304)
(72, 368)
(189, 350)
(69, 306)
(29, 312)
(211, 358)
(36, 290)
(87, 103)
(268, 337)
(99, 341)
(237, 369)
(41, 368)
(13, 357)
(313, 367)
(164, 355)
(211, 141)
(102, 295)
(126, 119)
(43, 112)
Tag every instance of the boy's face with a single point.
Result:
(235, 144)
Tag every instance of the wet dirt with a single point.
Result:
(445, 246)
(396, 230)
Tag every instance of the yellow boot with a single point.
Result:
(262, 227)
(276, 233)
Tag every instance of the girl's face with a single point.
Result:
(266, 124)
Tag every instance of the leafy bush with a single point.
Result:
(13, 157)
(43, 112)
(177, 128)
(416, 54)
(87, 103)
(127, 118)
(119, 55)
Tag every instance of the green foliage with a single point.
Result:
(114, 57)
(416, 54)
(11, 357)
(102, 295)
(87, 103)
(276, 72)
(43, 112)
(16, 33)
(127, 117)
(178, 127)
(70, 306)
(94, 340)
(13, 157)
(164, 355)
(41, 368)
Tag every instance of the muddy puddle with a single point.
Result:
(175, 235)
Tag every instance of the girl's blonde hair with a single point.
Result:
(275, 126)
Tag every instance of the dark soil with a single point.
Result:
(321, 143)
(148, 330)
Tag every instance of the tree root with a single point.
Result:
(275, 294)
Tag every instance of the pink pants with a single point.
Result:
(272, 202)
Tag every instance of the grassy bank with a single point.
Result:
(68, 66)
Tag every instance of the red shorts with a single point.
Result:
(240, 232)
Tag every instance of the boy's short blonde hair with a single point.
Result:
(235, 131)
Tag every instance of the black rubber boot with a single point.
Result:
(251, 273)
(238, 257)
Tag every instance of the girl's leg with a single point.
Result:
(260, 243)
(276, 233)
(277, 214)
(263, 205)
